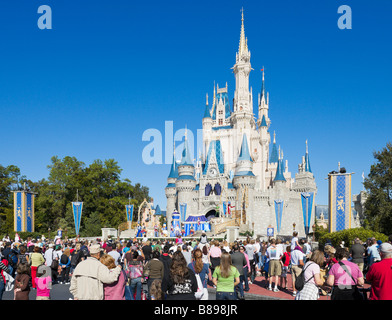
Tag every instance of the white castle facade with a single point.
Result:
(241, 172)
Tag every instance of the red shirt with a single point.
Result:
(380, 276)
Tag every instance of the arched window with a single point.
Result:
(217, 189)
(208, 190)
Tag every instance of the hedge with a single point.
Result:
(348, 236)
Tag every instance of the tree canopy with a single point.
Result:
(99, 186)
(378, 184)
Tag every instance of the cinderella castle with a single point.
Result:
(241, 179)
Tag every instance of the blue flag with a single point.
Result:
(77, 214)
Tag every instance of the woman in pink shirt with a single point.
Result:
(115, 290)
(344, 276)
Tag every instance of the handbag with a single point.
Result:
(200, 289)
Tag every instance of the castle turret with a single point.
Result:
(186, 181)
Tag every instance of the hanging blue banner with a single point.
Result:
(307, 206)
(77, 214)
(18, 212)
(183, 211)
(29, 212)
(129, 210)
(278, 213)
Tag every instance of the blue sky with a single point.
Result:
(108, 71)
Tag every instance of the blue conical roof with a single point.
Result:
(263, 122)
(279, 171)
(244, 154)
(207, 112)
(274, 154)
(174, 170)
(307, 163)
(186, 156)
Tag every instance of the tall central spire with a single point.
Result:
(243, 47)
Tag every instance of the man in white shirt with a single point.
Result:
(115, 254)
(274, 254)
(297, 263)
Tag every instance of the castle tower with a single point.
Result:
(243, 103)
(170, 190)
(186, 181)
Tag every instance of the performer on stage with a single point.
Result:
(139, 231)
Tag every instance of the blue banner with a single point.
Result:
(129, 210)
(278, 213)
(307, 206)
(18, 212)
(77, 214)
(340, 202)
(183, 211)
(29, 212)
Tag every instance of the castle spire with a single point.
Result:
(307, 161)
(243, 47)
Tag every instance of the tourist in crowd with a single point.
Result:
(182, 283)
(36, 260)
(274, 254)
(344, 276)
(200, 269)
(297, 263)
(373, 253)
(239, 261)
(226, 277)
(116, 289)
(380, 275)
(65, 266)
(244, 278)
(313, 279)
(215, 253)
(286, 257)
(3, 275)
(90, 275)
(133, 263)
(154, 268)
(357, 253)
(22, 282)
(43, 282)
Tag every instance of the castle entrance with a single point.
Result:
(211, 214)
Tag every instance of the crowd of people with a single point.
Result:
(179, 269)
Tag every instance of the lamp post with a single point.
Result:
(49, 233)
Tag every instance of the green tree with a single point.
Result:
(378, 184)
(10, 180)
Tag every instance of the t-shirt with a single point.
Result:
(250, 251)
(380, 276)
(293, 243)
(274, 253)
(226, 284)
(311, 269)
(357, 251)
(296, 256)
(341, 277)
(373, 253)
(43, 284)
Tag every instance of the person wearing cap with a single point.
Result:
(380, 275)
(90, 275)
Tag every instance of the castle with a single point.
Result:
(241, 178)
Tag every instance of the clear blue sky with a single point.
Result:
(109, 70)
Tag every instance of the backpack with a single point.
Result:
(300, 281)
(64, 259)
(13, 259)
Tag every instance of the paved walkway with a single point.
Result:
(259, 291)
